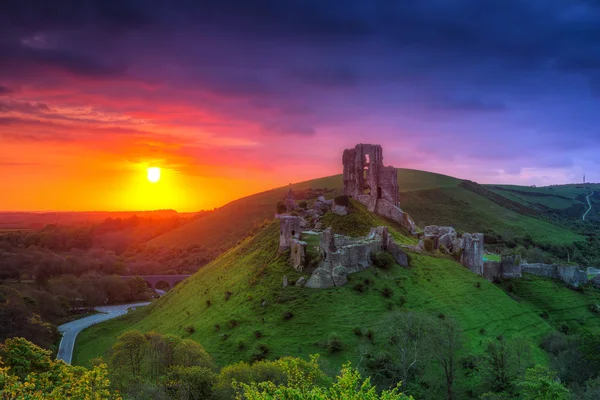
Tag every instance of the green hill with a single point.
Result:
(221, 305)
(428, 197)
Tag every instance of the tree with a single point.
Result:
(409, 343)
(189, 383)
(189, 353)
(29, 372)
(348, 385)
(542, 384)
(447, 342)
(129, 351)
(503, 362)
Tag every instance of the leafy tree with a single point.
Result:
(348, 385)
(29, 372)
(189, 353)
(447, 342)
(189, 383)
(541, 384)
(128, 352)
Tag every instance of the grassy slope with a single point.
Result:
(428, 197)
(469, 212)
(563, 305)
(436, 285)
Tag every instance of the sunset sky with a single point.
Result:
(233, 97)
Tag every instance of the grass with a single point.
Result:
(471, 212)
(433, 285)
(563, 305)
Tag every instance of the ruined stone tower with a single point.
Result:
(366, 178)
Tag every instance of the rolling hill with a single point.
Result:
(428, 197)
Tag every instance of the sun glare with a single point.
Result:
(153, 174)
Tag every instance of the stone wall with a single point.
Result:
(570, 275)
(472, 254)
(507, 268)
(390, 211)
(298, 254)
(342, 255)
(289, 228)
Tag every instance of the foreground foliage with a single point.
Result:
(29, 372)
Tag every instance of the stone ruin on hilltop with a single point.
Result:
(371, 183)
(376, 186)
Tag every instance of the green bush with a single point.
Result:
(341, 200)
(382, 259)
(387, 292)
(334, 343)
(428, 244)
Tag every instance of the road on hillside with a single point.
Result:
(70, 330)
(589, 205)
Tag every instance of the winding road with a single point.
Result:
(70, 330)
(589, 205)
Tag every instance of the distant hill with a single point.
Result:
(429, 198)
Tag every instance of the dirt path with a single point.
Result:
(589, 205)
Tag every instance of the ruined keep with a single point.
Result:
(367, 180)
(289, 229)
(366, 176)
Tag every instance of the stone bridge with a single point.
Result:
(153, 280)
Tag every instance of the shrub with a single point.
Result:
(241, 345)
(280, 207)
(258, 334)
(428, 244)
(478, 285)
(564, 328)
(224, 336)
(387, 292)
(233, 323)
(512, 288)
(260, 353)
(208, 303)
(342, 200)
(482, 331)
(359, 287)
(382, 259)
(287, 315)
(303, 205)
(357, 331)
(545, 315)
(217, 327)
(228, 295)
(442, 249)
(370, 335)
(442, 316)
(334, 343)
(190, 329)
(595, 308)
(402, 300)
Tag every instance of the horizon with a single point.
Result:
(227, 100)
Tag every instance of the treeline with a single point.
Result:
(28, 372)
(33, 312)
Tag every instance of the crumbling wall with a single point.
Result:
(342, 255)
(365, 174)
(571, 275)
(289, 228)
(298, 254)
(507, 268)
(472, 252)
(390, 211)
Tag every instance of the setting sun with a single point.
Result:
(153, 174)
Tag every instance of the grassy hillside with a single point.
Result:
(220, 307)
(428, 197)
(468, 211)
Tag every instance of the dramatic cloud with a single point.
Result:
(494, 91)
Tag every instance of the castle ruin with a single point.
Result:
(367, 180)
